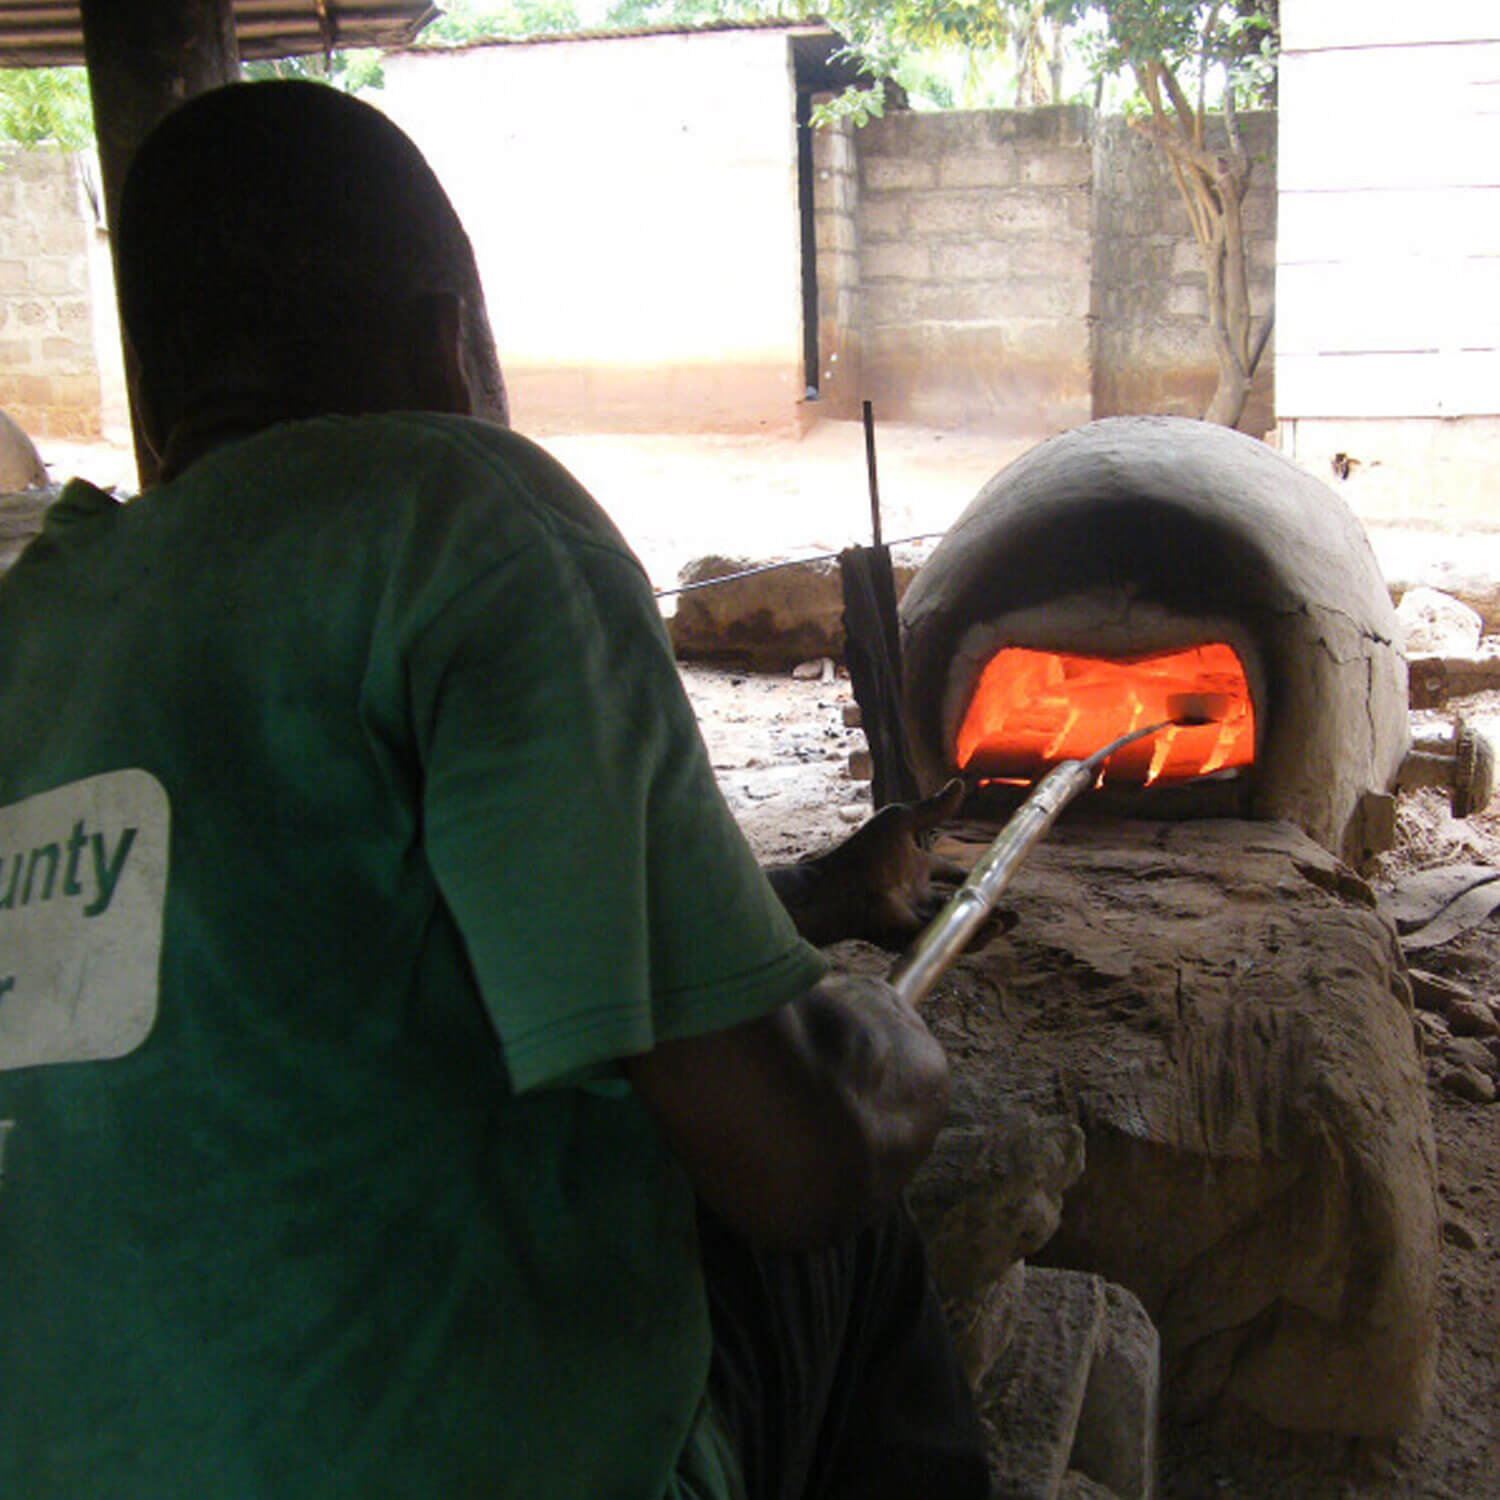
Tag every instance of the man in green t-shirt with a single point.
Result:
(408, 1083)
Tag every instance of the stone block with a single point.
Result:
(882, 218)
(1061, 259)
(1187, 259)
(1188, 301)
(972, 260)
(63, 353)
(14, 276)
(836, 232)
(64, 235)
(1034, 1392)
(1115, 1443)
(944, 214)
(1058, 167)
(886, 174)
(20, 237)
(996, 167)
(900, 260)
(1027, 213)
(52, 275)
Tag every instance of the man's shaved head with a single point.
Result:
(274, 234)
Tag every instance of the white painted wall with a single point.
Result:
(633, 206)
(1388, 258)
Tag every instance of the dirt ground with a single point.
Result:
(781, 751)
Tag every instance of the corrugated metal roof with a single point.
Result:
(619, 33)
(46, 33)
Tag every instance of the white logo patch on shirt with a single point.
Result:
(83, 888)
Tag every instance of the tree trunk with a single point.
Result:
(1213, 187)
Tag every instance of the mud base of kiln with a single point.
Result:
(1218, 1012)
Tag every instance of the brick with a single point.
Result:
(34, 390)
(15, 352)
(885, 174)
(896, 259)
(993, 168)
(13, 276)
(31, 314)
(74, 314)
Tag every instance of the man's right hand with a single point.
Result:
(800, 1127)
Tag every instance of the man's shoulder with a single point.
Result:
(437, 470)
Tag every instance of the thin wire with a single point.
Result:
(791, 562)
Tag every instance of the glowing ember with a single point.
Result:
(1032, 709)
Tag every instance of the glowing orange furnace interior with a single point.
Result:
(1032, 709)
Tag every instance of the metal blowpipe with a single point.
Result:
(945, 937)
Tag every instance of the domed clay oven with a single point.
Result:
(1134, 560)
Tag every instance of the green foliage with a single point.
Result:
(46, 107)
(488, 20)
(354, 70)
(628, 15)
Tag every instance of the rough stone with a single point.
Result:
(1436, 992)
(1076, 1486)
(1469, 1084)
(1458, 1232)
(990, 1194)
(1468, 1052)
(768, 621)
(21, 466)
(1222, 1013)
(20, 520)
(1115, 1443)
(1034, 1392)
(1472, 1018)
(1437, 624)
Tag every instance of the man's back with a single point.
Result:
(316, 719)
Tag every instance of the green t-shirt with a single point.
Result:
(352, 824)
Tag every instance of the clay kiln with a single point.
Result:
(1139, 557)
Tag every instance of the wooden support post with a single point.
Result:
(145, 57)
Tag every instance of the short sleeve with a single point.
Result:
(605, 895)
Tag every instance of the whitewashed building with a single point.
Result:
(1388, 259)
(640, 206)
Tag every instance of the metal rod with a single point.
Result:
(946, 936)
(868, 407)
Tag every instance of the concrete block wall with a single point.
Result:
(1153, 351)
(1024, 270)
(836, 222)
(974, 240)
(49, 370)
